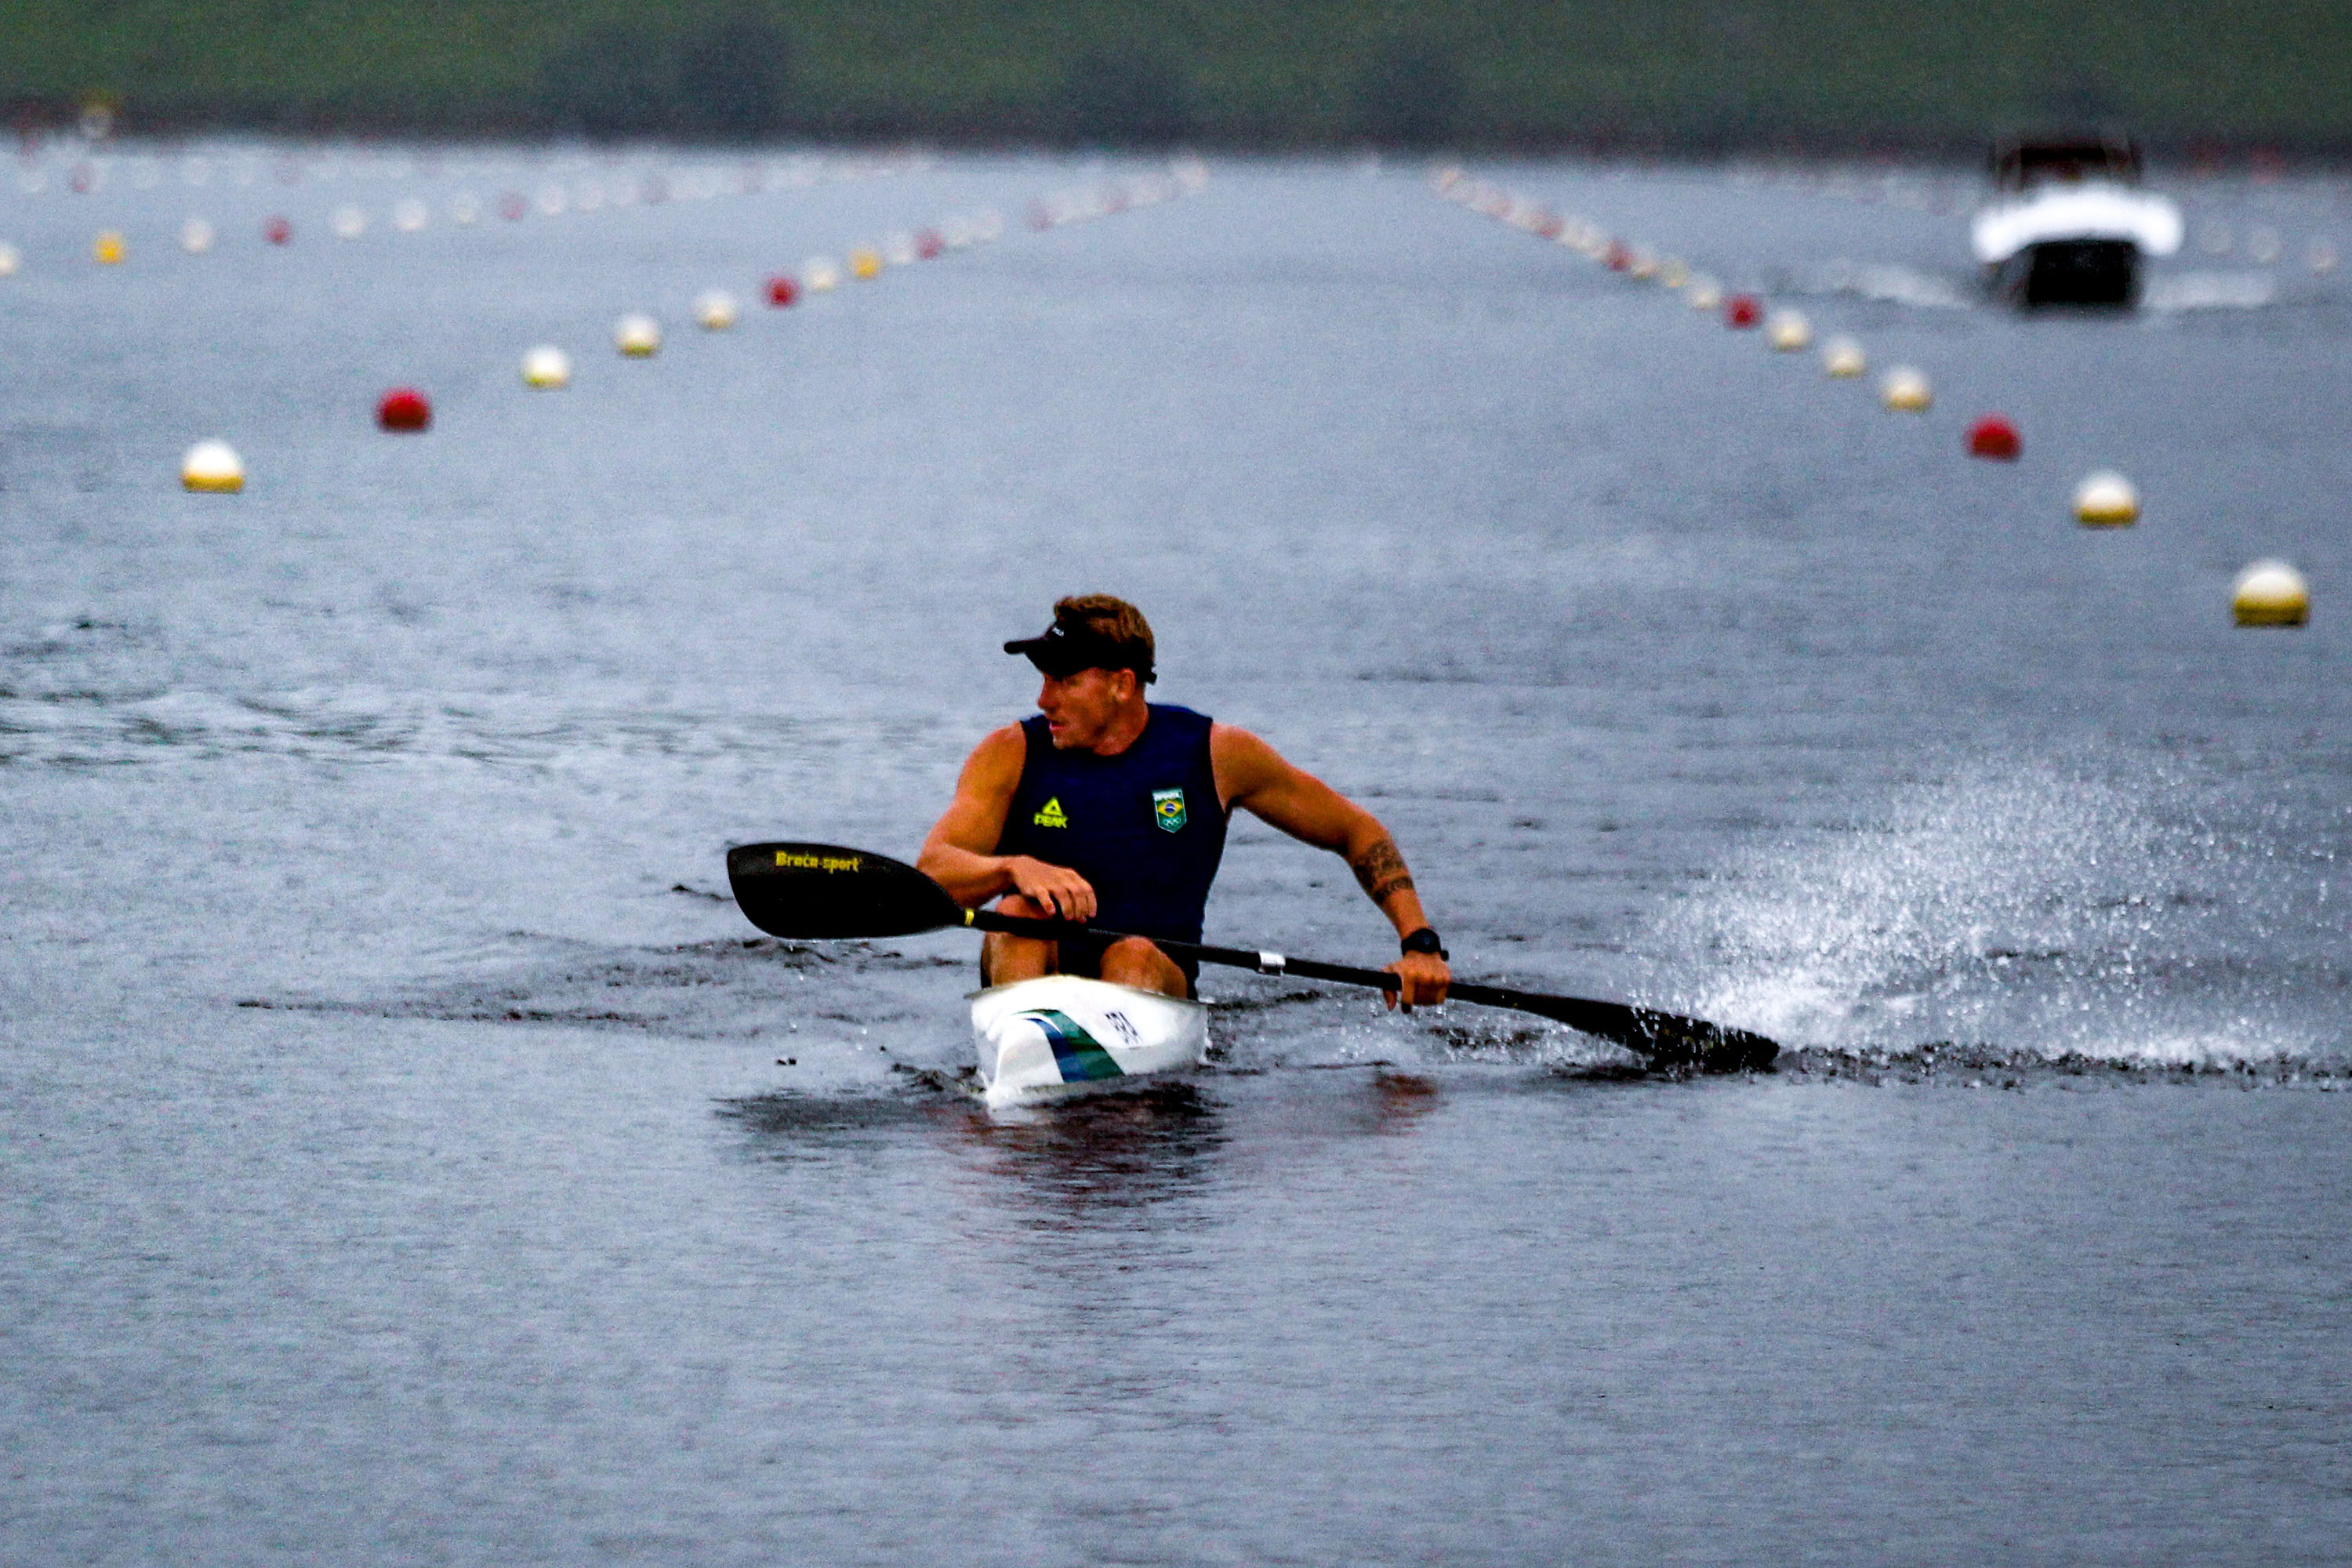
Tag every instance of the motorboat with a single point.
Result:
(2069, 224)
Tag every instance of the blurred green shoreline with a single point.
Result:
(1705, 76)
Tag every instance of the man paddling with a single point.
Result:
(1109, 810)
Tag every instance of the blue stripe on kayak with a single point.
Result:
(1075, 1053)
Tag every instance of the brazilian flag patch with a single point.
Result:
(1168, 809)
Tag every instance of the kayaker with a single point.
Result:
(1109, 810)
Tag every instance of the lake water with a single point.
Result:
(399, 1162)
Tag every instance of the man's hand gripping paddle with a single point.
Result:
(817, 892)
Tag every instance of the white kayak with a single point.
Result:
(1060, 1034)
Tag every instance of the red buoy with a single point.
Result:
(277, 231)
(928, 243)
(404, 409)
(511, 205)
(1618, 259)
(1742, 310)
(1993, 437)
(1549, 224)
(782, 291)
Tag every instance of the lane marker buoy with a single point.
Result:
(9, 261)
(547, 366)
(2270, 593)
(1742, 311)
(715, 310)
(821, 275)
(1994, 437)
(109, 249)
(2106, 499)
(637, 335)
(1843, 357)
(195, 237)
(1906, 391)
(404, 409)
(865, 264)
(782, 291)
(1789, 331)
(211, 467)
(277, 231)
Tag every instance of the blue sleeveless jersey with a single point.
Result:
(1145, 827)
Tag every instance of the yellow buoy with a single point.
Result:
(820, 275)
(195, 237)
(109, 248)
(2270, 593)
(1787, 330)
(2106, 501)
(1906, 391)
(637, 335)
(865, 264)
(213, 467)
(547, 366)
(1843, 357)
(715, 310)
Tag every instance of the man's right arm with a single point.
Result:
(960, 855)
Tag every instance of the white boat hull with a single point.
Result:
(1062, 1035)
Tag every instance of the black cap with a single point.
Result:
(1073, 643)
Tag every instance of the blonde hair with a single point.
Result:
(1114, 619)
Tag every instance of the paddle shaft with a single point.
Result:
(1611, 1020)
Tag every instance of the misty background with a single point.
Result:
(1634, 74)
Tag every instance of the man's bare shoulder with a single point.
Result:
(1000, 755)
(1242, 760)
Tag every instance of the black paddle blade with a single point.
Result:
(818, 892)
(1667, 1039)
(1693, 1042)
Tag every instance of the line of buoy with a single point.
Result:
(2268, 592)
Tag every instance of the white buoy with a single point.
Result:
(1843, 357)
(1787, 330)
(637, 335)
(2106, 499)
(898, 250)
(410, 215)
(716, 310)
(213, 466)
(1673, 273)
(820, 274)
(2270, 593)
(9, 261)
(1704, 294)
(464, 208)
(195, 237)
(349, 222)
(1906, 391)
(547, 366)
(2321, 256)
(2261, 246)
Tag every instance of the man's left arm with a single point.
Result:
(1254, 776)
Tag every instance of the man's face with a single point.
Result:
(1079, 709)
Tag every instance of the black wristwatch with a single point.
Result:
(1424, 940)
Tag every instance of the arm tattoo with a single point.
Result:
(1381, 871)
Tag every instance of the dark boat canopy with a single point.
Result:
(2020, 163)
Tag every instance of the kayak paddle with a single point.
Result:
(818, 892)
